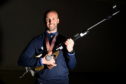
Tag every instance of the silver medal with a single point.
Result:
(48, 57)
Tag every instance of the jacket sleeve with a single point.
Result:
(71, 60)
(70, 57)
(27, 58)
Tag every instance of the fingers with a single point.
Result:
(69, 41)
(69, 44)
(50, 66)
(54, 64)
(51, 62)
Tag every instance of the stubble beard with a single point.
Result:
(52, 29)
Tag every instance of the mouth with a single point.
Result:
(51, 25)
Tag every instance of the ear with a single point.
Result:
(58, 20)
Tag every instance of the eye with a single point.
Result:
(47, 20)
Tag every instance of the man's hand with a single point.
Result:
(50, 64)
(69, 44)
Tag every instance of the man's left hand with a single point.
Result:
(69, 44)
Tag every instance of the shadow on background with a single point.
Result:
(1, 45)
(1, 82)
(2, 2)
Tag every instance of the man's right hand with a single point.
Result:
(50, 63)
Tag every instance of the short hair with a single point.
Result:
(48, 11)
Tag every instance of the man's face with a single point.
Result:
(52, 21)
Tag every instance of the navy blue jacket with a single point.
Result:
(64, 61)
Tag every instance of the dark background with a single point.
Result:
(99, 54)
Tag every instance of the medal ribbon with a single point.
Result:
(50, 46)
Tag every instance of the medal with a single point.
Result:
(49, 47)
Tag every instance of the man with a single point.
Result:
(56, 69)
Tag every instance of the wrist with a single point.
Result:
(43, 61)
(71, 52)
(70, 49)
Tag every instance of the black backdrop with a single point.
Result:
(100, 51)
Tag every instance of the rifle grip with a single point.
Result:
(39, 68)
